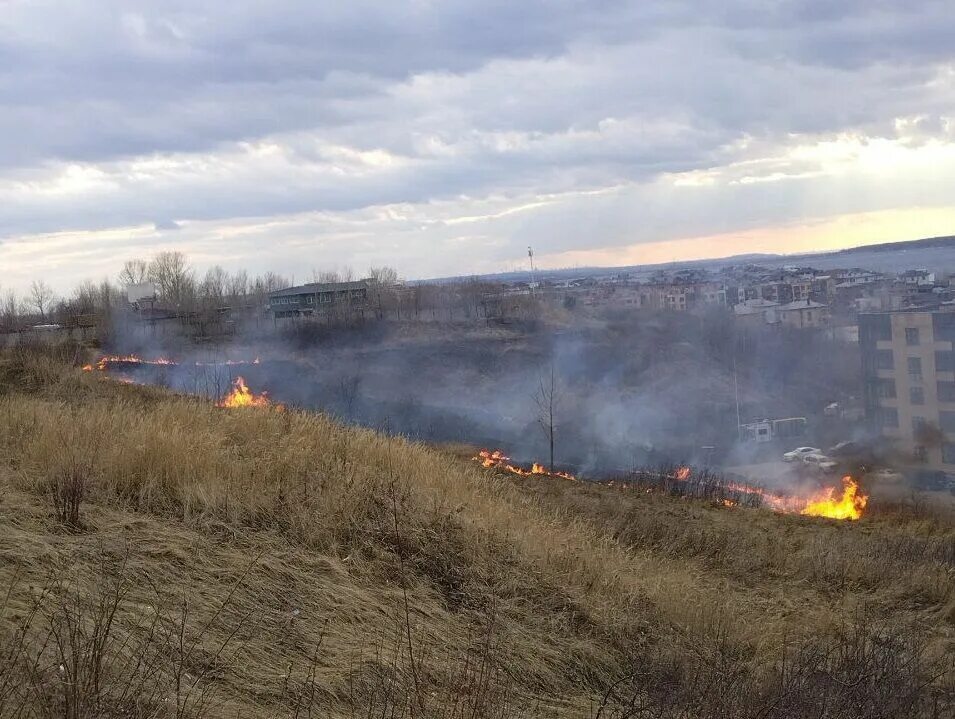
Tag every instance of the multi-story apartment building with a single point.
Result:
(908, 365)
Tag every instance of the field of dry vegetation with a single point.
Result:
(161, 557)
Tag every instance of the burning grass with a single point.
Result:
(108, 363)
(828, 502)
(241, 396)
(315, 568)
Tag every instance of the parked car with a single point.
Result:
(820, 462)
(799, 453)
(846, 449)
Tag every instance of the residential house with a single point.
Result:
(920, 278)
(752, 313)
(801, 314)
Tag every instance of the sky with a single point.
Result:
(445, 137)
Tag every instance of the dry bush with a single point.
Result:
(67, 489)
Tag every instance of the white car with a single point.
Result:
(820, 462)
(799, 453)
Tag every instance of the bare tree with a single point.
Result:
(238, 284)
(383, 275)
(9, 309)
(215, 284)
(134, 272)
(326, 276)
(548, 398)
(41, 297)
(173, 277)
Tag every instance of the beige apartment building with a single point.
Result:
(908, 365)
(803, 313)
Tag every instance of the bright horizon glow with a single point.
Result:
(840, 233)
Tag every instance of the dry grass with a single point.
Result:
(278, 564)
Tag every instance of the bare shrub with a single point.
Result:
(67, 490)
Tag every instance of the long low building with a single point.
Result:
(318, 298)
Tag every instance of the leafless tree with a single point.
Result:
(548, 398)
(173, 277)
(41, 297)
(383, 275)
(238, 284)
(215, 284)
(9, 309)
(134, 272)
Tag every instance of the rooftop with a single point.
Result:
(800, 305)
(314, 288)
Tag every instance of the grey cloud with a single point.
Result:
(468, 99)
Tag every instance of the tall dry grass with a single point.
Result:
(431, 588)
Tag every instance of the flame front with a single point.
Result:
(242, 396)
(849, 506)
(497, 459)
(104, 362)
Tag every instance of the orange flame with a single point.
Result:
(242, 396)
(497, 459)
(103, 363)
(849, 506)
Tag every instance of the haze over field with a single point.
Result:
(445, 138)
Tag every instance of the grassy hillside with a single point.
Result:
(162, 557)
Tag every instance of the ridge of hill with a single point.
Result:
(160, 556)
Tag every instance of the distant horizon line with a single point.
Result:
(875, 246)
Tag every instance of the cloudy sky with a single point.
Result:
(445, 136)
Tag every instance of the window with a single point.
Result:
(880, 359)
(881, 388)
(946, 391)
(916, 396)
(946, 421)
(889, 417)
(945, 361)
(874, 327)
(915, 368)
(911, 336)
(948, 453)
(920, 454)
(943, 325)
(918, 423)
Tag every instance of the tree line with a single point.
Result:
(183, 290)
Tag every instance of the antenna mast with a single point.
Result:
(530, 255)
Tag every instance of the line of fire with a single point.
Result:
(842, 501)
